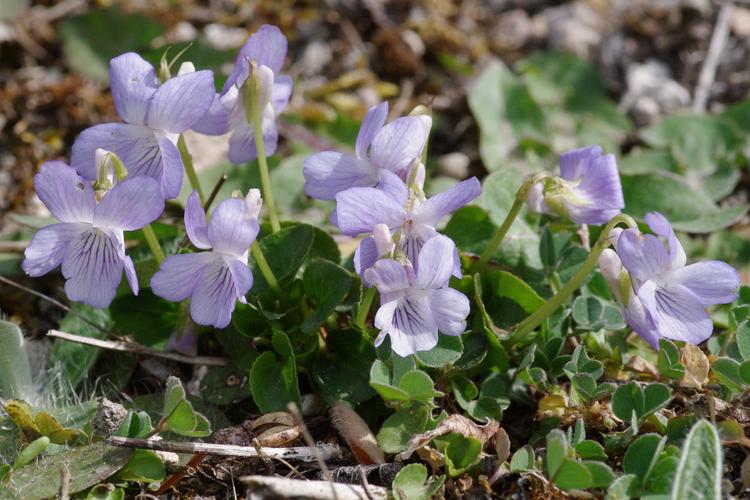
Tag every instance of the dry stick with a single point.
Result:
(322, 451)
(54, 302)
(292, 408)
(123, 346)
(64, 493)
(719, 40)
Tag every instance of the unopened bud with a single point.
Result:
(383, 241)
(419, 176)
(257, 91)
(254, 202)
(186, 68)
(109, 167)
(535, 199)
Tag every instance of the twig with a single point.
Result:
(292, 408)
(54, 302)
(363, 482)
(279, 487)
(215, 191)
(122, 346)
(715, 49)
(326, 451)
(64, 493)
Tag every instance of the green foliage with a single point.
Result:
(632, 403)
(411, 483)
(700, 466)
(178, 414)
(15, 371)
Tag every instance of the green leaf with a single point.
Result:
(523, 459)
(508, 285)
(461, 453)
(668, 360)
(327, 284)
(623, 488)
(343, 372)
(687, 208)
(411, 483)
(398, 429)
(285, 251)
(727, 371)
(135, 425)
(380, 380)
(419, 386)
(150, 319)
(179, 416)
(31, 451)
(655, 397)
(447, 351)
(662, 476)
(15, 371)
(573, 475)
(642, 455)
(144, 466)
(697, 142)
(592, 313)
(90, 40)
(590, 450)
(743, 338)
(87, 466)
(273, 379)
(699, 471)
(557, 451)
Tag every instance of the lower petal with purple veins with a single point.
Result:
(215, 295)
(178, 275)
(410, 326)
(676, 312)
(449, 308)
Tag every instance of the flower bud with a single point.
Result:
(257, 90)
(254, 202)
(535, 199)
(383, 241)
(109, 168)
(186, 68)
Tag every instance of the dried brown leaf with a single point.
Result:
(454, 423)
(696, 366)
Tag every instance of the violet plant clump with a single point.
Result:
(488, 288)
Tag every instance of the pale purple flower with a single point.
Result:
(379, 148)
(668, 299)
(414, 306)
(154, 117)
(267, 48)
(214, 280)
(359, 210)
(588, 190)
(89, 241)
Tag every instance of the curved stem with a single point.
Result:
(153, 243)
(364, 308)
(497, 239)
(187, 161)
(265, 269)
(535, 319)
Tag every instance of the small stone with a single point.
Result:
(108, 417)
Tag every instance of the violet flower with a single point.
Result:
(359, 210)
(89, 240)
(155, 115)
(414, 306)
(588, 190)
(664, 297)
(379, 148)
(214, 280)
(267, 48)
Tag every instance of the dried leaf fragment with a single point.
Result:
(357, 435)
(454, 423)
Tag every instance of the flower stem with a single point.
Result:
(364, 308)
(265, 269)
(187, 160)
(535, 319)
(153, 243)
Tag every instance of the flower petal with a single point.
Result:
(267, 47)
(449, 309)
(242, 142)
(398, 144)
(130, 274)
(712, 282)
(640, 321)
(359, 209)
(195, 222)
(388, 276)
(410, 326)
(392, 185)
(643, 255)
(661, 227)
(365, 256)
(130, 205)
(328, 173)
(215, 295)
(232, 228)
(178, 275)
(676, 312)
(574, 164)
(282, 92)
(371, 125)
(68, 196)
(431, 211)
(92, 266)
(181, 101)
(216, 119)
(47, 248)
(600, 186)
(133, 82)
(171, 168)
(243, 277)
(535, 200)
(435, 262)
